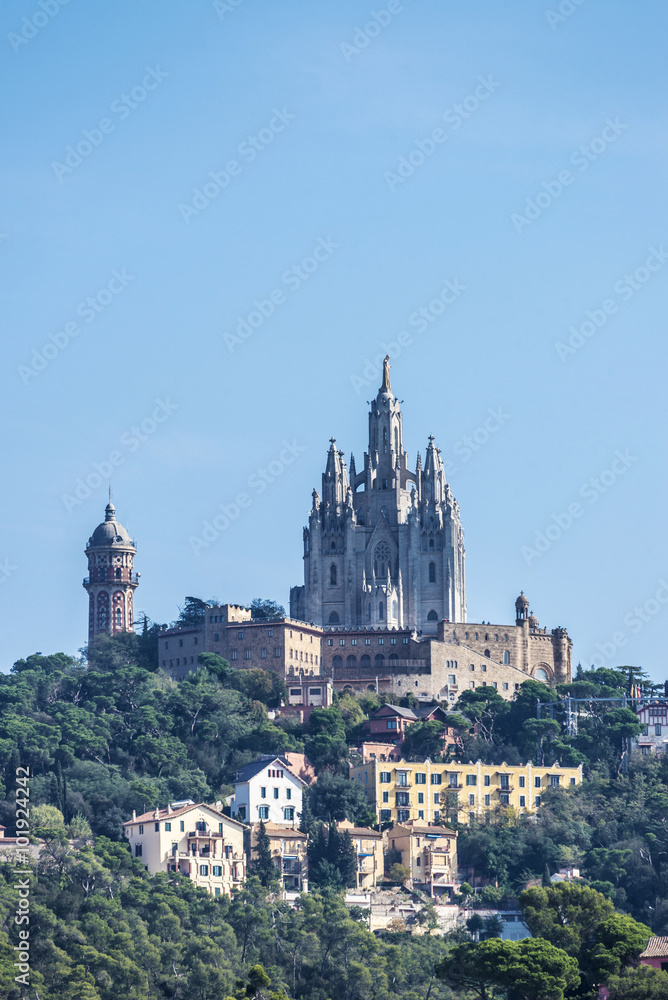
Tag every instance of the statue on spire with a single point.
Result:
(386, 373)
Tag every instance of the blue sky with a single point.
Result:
(212, 149)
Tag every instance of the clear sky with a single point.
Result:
(167, 166)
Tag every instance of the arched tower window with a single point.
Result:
(381, 610)
(351, 662)
(379, 659)
(333, 546)
(432, 616)
(333, 618)
(487, 653)
(432, 572)
(506, 656)
(337, 662)
(385, 439)
(118, 618)
(381, 559)
(431, 543)
(332, 575)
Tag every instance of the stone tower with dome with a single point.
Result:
(111, 581)
(384, 547)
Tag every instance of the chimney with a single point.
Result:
(134, 814)
(169, 809)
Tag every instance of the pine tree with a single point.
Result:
(546, 881)
(262, 864)
(348, 860)
(333, 845)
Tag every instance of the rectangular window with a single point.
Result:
(241, 812)
(263, 812)
(235, 655)
(554, 780)
(138, 850)
(216, 636)
(504, 798)
(386, 796)
(295, 691)
(471, 800)
(366, 777)
(141, 828)
(277, 651)
(657, 730)
(289, 813)
(204, 869)
(488, 800)
(572, 781)
(367, 642)
(405, 640)
(276, 793)
(402, 778)
(182, 825)
(393, 641)
(385, 815)
(454, 780)
(220, 828)
(157, 827)
(288, 793)
(505, 686)
(420, 813)
(381, 642)
(504, 780)
(436, 778)
(247, 654)
(403, 799)
(330, 642)
(168, 827)
(315, 690)
(263, 653)
(452, 679)
(353, 642)
(487, 781)
(270, 633)
(483, 667)
(391, 724)
(420, 778)
(437, 798)
(536, 782)
(385, 777)
(523, 801)
(536, 800)
(403, 815)
(217, 871)
(263, 792)
(437, 815)
(471, 779)
(342, 642)
(421, 797)
(522, 781)
(240, 635)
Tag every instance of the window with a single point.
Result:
(333, 618)
(289, 813)
(421, 798)
(437, 815)
(235, 655)
(168, 827)
(270, 633)
(264, 812)
(157, 827)
(386, 796)
(381, 610)
(276, 793)
(420, 778)
(437, 798)
(241, 812)
(263, 792)
(385, 815)
(505, 686)
(506, 656)
(332, 575)
(536, 782)
(204, 869)
(381, 642)
(536, 800)
(420, 813)
(403, 798)
(137, 850)
(141, 828)
(402, 778)
(483, 667)
(471, 684)
(247, 654)
(385, 776)
(504, 780)
(367, 642)
(288, 793)
(217, 871)
(263, 653)
(391, 724)
(471, 779)
(471, 666)
(418, 861)
(657, 730)
(330, 642)
(487, 781)
(393, 641)
(522, 781)
(471, 799)
(432, 616)
(504, 798)
(277, 651)
(523, 801)
(572, 781)
(432, 572)
(452, 679)
(436, 778)
(454, 780)
(403, 815)
(405, 640)
(554, 780)
(182, 825)
(488, 800)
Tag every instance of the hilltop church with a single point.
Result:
(383, 603)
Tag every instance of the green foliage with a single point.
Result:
(335, 797)
(262, 607)
(261, 864)
(524, 970)
(424, 739)
(399, 873)
(642, 983)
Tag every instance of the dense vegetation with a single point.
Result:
(115, 734)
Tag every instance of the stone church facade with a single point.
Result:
(384, 547)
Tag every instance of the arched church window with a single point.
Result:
(118, 617)
(365, 660)
(506, 656)
(333, 546)
(487, 652)
(432, 616)
(333, 618)
(431, 543)
(337, 662)
(541, 675)
(381, 610)
(381, 559)
(118, 574)
(393, 656)
(432, 572)
(332, 575)
(384, 511)
(379, 660)
(351, 662)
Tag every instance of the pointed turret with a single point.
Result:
(433, 476)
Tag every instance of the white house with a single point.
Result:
(654, 717)
(193, 839)
(267, 790)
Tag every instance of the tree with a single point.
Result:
(262, 865)
(262, 607)
(192, 613)
(348, 860)
(643, 983)
(423, 739)
(333, 797)
(527, 970)
(399, 873)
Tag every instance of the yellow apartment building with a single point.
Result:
(429, 852)
(405, 790)
(369, 846)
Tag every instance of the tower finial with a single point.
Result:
(386, 374)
